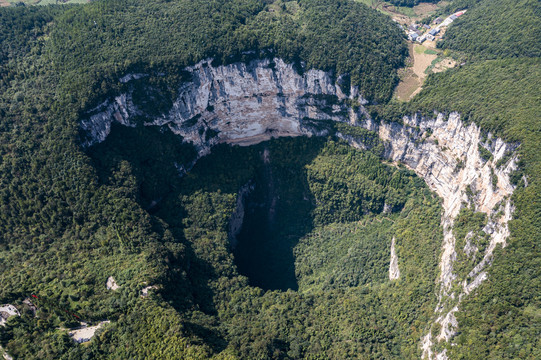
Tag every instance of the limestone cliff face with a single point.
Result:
(447, 155)
(249, 103)
(237, 218)
(238, 103)
(394, 271)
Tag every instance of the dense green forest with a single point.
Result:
(502, 96)
(71, 219)
(409, 2)
(502, 320)
(496, 29)
(308, 277)
(98, 43)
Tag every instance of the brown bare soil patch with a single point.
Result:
(412, 78)
(408, 86)
(443, 65)
(421, 61)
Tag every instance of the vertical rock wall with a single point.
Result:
(249, 103)
(447, 154)
(237, 103)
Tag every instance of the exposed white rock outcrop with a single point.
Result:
(111, 283)
(5, 355)
(446, 154)
(394, 271)
(86, 333)
(248, 103)
(237, 103)
(7, 311)
(98, 124)
(145, 291)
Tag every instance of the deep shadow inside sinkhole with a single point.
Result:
(277, 213)
(263, 251)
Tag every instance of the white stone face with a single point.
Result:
(248, 103)
(436, 159)
(86, 333)
(111, 283)
(394, 271)
(240, 103)
(7, 311)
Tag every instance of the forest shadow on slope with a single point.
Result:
(330, 218)
(278, 209)
(277, 213)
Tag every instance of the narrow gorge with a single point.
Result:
(245, 104)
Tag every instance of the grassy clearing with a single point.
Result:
(432, 65)
(404, 10)
(419, 49)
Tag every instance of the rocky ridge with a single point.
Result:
(248, 103)
(447, 154)
(238, 103)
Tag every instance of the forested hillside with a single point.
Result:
(408, 2)
(496, 29)
(502, 319)
(70, 219)
(309, 276)
(502, 96)
(96, 44)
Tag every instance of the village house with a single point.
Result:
(413, 27)
(7, 311)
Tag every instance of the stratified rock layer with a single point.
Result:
(446, 154)
(238, 103)
(248, 103)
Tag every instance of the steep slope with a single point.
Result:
(237, 103)
(465, 167)
(496, 29)
(502, 314)
(71, 228)
(133, 203)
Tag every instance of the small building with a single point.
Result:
(447, 22)
(413, 27)
(427, 26)
(413, 36)
(434, 32)
(430, 37)
(453, 17)
(460, 13)
(421, 39)
(7, 311)
(438, 20)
